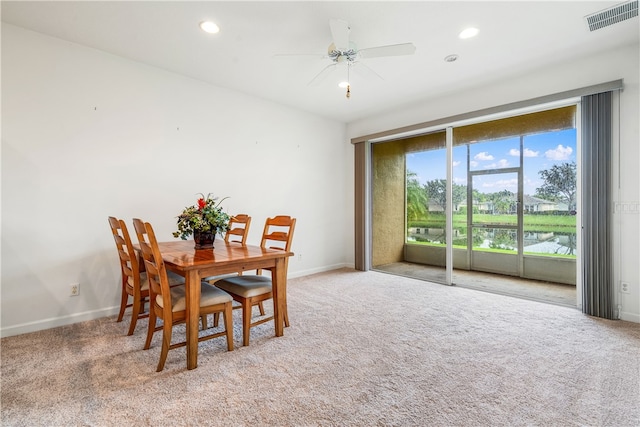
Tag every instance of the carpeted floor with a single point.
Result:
(363, 349)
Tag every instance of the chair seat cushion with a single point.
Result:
(174, 280)
(209, 295)
(246, 286)
(211, 279)
(144, 283)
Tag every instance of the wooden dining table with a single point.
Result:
(194, 264)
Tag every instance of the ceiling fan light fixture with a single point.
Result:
(209, 27)
(343, 51)
(468, 33)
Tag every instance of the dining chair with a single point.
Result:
(237, 232)
(238, 229)
(250, 290)
(133, 283)
(169, 303)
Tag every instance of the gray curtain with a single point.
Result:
(597, 273)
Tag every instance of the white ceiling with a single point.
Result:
(515, 37)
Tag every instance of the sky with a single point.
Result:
(541, 151)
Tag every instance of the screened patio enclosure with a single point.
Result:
(511, 210)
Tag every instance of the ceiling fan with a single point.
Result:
(342, 50)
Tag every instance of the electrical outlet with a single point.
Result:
(624, 288)
(75, 289)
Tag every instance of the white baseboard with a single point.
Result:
(54, 322)
(630, 317)
(301, 273)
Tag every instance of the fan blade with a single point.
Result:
(299, 55)
(322, 74)
(390, 50)
(340, 34)
(365, 71)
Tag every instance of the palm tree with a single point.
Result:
(417, 200)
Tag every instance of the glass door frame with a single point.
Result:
(519, 227)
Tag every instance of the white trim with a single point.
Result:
(54, 322)
(323, 269)
(449, 208)
(616, 251)
(368, 212)
(579, 205)
(630, 317)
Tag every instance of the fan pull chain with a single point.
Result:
(348, 81)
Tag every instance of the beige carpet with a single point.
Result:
(363, 349)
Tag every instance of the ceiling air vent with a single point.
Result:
(613, 15)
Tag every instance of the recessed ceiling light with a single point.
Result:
(209, 27)
(468, 33)
(343, 84)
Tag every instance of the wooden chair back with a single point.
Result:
(238, 229)
(156, 270)
(128, 260)
(131, 279)
(278, 233)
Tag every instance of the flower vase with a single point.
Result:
(204, 239)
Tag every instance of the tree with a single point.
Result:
(478, 197)
(559, 184)
(502, 201)
(416, 198)
(437, 192)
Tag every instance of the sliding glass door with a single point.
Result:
(491, 197)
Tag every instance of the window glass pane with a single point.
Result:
(549, 200)
(495, 240)
(497, 154)
(494, 199)
(459, 185)
(426, 196)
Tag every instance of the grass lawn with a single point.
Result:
(497, 250)
(539, 223)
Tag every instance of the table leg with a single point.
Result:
(193, 316)
(278, 290)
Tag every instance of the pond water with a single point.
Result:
(534, 242)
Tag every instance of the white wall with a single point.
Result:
(612, 65)
(86, 135)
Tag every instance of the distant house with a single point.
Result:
(531, 205)
(534, 204)
(436, 207)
